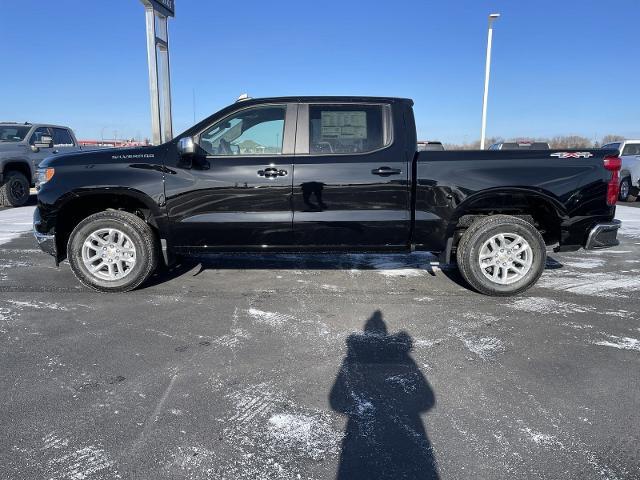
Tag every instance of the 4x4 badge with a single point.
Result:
(572, 154)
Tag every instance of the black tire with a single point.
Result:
(625, 189)
(469, 247)
(14, 192)
(140, 234)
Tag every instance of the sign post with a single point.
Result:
(157, 13)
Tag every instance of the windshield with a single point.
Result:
(13, 133)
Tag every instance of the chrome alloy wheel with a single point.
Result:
(108, 254)
(505, 258)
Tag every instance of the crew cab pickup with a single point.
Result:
(22, 147)
(322, 174)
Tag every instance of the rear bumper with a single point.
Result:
(603, 235)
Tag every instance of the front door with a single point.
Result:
(351, 185)
(236, 192)
(43, 152)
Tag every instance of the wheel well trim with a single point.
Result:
(467, 205)
(157, 214)
(145, 199)
(8, 164)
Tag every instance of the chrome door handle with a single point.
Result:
(272, 172)
(386, 171)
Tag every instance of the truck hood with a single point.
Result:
(106, 155)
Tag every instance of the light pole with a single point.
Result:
(487, 70)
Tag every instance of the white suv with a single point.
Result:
(630, 172)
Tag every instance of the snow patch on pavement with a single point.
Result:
(273, 319)
(38, 305)
(630, 218)
(75, 463)
(548, 306)
(593, 283)
(15, 222)
(622, 343)
(308, 434)
(584, 263)
(484, 347)
(542, 439)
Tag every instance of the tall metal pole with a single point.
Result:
(152, 58)
(167, 124)
(487, 71)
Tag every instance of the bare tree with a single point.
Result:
(570, 141)
(612, 138)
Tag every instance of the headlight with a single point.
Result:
(43, 175)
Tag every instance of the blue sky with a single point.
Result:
(559, 67)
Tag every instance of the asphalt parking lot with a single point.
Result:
(319, 367)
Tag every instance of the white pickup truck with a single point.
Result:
(630, 172)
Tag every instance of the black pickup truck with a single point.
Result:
(322, 174)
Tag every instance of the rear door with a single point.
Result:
(63, 140)
(237, 191)
(351, 180)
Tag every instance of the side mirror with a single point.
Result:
(45, 141)
(186, 146)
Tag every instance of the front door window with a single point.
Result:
(255, 131)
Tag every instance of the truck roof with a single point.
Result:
(327, 98)
(29, 124)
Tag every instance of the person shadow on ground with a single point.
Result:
(382, 391)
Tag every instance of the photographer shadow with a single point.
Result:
(383, 392)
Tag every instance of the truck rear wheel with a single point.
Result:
(112, 251)
(501, 255)
(14, 192)
(625, 189)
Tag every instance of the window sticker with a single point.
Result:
(343, 125)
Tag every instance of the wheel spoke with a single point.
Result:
(496, 272)
(519, 271)
(97, 267)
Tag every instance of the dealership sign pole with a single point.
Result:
(487, 71)
(157, 13)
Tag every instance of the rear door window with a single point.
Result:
(62, 138)
(348, 129)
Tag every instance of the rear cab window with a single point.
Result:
(612, 146)
(349, 128)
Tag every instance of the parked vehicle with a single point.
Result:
(22, 147)
(430, 146)
(630, 172)
(524, 145)
(322, 174)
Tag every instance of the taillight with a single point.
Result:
(613, 164)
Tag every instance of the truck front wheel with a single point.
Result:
(501, 255)
(14, 192)
(112, 251)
